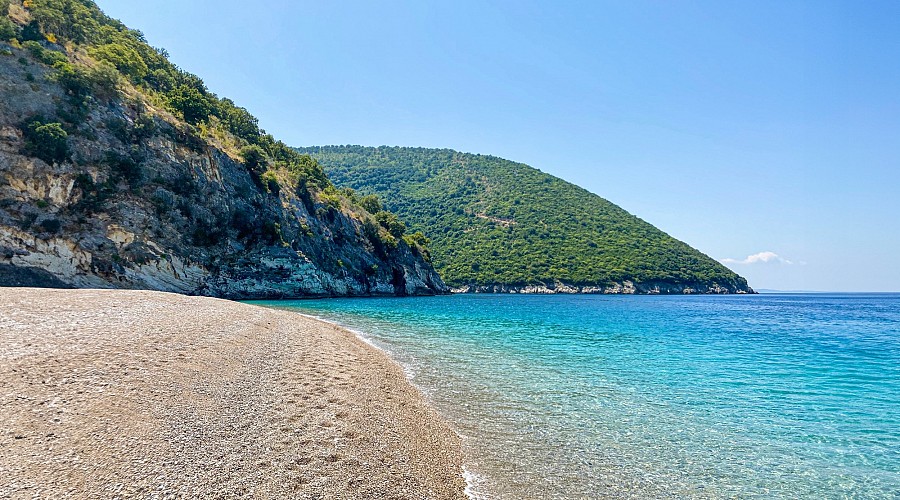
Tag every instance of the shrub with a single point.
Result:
(47, 141)
(419, 243)
(243, 220)
(189, 137)
(254, 158)
(239, 121)
(206, 234)
(161, 80)
(330, 197)
(194, 106)
(271, 232)
(74, 81)
(103, 80)
(93, 195)
(305, 196)
(7, 28)
(124, 167)
(270, 182)
(303, 167)
(144, 127)
(350, 194)
(163, 200)
(391, 222)
(118, 128)
(51, 226)
(46, 56)
(74, 20)
(124, 58)
(32, 31)
(371, 203)
(379, 243)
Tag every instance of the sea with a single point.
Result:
(606, 396)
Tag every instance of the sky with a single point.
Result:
(765, 134)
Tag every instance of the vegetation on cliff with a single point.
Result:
(119, 168)
(95, 56)
(493, 221)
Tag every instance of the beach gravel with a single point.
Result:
(115, 394)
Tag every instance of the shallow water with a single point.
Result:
(655, 396)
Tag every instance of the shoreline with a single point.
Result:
(471, 479)
(112, 392)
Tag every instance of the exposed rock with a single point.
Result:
(29, 276)
(171, 211)
(625, 287)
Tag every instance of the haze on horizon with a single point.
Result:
(765, 136)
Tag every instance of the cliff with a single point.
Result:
(105, 186)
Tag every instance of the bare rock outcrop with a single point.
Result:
(145, 201)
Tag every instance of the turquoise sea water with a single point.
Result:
(768, 396)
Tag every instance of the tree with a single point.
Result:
(518, 225)
(32, 32)
(391, 222)
(161, 79)
(74, 80)
(48, 57)
(270, 182)
(47, 141)
(193, 105)
(7, 29)
(254, 158)
(124, 58)
(74, 20)
(419, 243)
(371, 203)
(239, 121)
(104, 79)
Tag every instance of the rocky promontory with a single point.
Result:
(107, 188)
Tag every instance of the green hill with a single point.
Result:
(497, 225)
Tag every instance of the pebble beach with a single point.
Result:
(111, 393)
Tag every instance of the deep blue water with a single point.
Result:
(566, 396)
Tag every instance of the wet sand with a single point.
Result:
(109, 393)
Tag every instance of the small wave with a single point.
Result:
(408, 370)
(473, 481)
(365, 337)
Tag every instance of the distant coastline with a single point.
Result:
(821, 292)
(620, 288)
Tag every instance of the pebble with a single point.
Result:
(251, 407)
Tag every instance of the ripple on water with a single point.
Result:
(708, 397)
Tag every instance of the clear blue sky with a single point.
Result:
(738, 127)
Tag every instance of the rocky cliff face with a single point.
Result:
(623, 288)
(143, 200)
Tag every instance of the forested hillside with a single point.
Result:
(496, 224)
